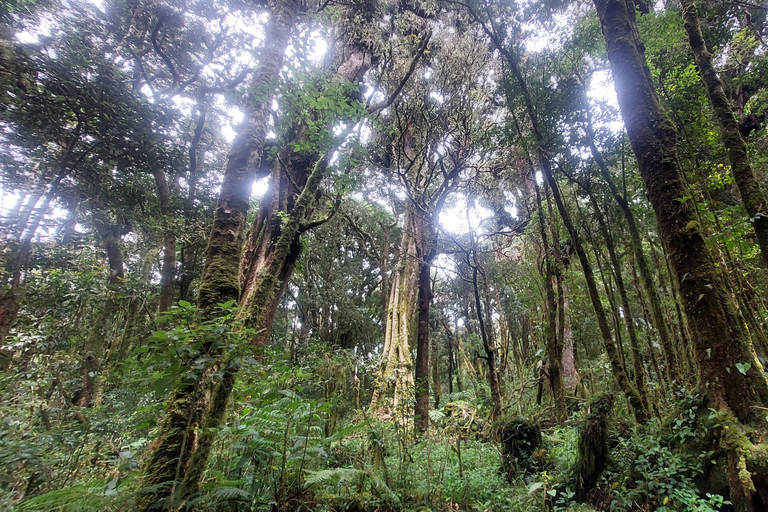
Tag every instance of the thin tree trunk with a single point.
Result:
(486, 334)
(719, 341)
(637, 248)
(168, 270)
(633, 396)
(637, 358)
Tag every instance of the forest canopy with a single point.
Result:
(357, 255)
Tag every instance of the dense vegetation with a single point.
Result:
(357, 255)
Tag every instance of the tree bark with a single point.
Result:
(637, 358)
(394, 380)
(425, 252)
(720, 342)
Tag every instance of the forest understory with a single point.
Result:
(373, 256)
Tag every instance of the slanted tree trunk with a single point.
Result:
(9, 300)
(720, 342)
(752, 197)
(170, 461)
(293, 193)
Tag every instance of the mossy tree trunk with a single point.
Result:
(720, 342)
(752, 197)
(553, 345)
(636, 245)
(92, 354)
(614, 357)
(169, 462)
(394, 378)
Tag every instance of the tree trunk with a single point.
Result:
(394, 379)
(637, 358)
(751, 196)
(486, 333)
(174, 447)
(719, 340)
(633, 396)
(221, 280)
(9, 301)
(554, 348)
(168, 270)
(642, 263)
(570, 374)
(426, 239)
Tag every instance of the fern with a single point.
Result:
(340, 475)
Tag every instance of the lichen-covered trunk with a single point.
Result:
(221, 279)
(394, 378)
(730, 375)
(259, 253)
(751, 196)
(169, 463)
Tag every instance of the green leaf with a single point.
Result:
(743, 368)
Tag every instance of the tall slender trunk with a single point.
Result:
(554, 350)
(169, 462)
(647, 279)
(719, 340)
(629, 321)
(633, 396)
(168, 270)
(221, 280)
(752, 197)
(486, 334)
(570, 373)
(425, 252)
